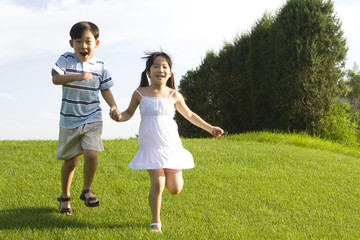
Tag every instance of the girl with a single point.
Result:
(161, 151)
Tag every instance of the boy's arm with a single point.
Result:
(60, 79)
(109, 98)
(192, 117)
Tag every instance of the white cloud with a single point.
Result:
(6, 96)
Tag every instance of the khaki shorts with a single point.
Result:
(72, 142)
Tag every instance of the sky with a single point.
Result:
(35, 33)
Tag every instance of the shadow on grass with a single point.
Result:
(43, 217)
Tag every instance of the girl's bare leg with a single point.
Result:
(67, 173)
(174, 182)
(157, 178)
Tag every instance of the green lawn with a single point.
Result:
(247, 186)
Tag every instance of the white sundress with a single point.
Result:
(159, 140)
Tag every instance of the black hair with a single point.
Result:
(150, 57)
(79, 28)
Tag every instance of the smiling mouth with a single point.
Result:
(84, 54)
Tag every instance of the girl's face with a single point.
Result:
(160, 71)
(84, 47)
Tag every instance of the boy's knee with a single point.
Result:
(72, 162)
(90, 156)
(91, 160)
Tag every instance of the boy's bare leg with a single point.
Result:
(90, 165)
(174, 182)
(157, 178)
(67, 173)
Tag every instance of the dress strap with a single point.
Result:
(138, 92)
(172, 93)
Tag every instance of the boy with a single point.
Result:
(81, 75)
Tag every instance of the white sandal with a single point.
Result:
(155, 224)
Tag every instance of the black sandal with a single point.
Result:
(65, 211)
(88, 200)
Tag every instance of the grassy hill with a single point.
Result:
(248, 186)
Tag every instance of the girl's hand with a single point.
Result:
(216, 132)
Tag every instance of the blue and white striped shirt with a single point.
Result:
(80, 99)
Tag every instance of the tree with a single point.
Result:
(353, 84)
(258, 63)
(197, 86)
(309, 50)
(234, 89)
(282, 75)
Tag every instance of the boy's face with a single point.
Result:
(84, 47)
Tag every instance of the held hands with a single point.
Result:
(216, 132)
(115, 114)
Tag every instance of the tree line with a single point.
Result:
(283, 74)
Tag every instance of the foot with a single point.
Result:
(89, 198)
(156, 227)
(65, 207)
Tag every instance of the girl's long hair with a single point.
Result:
(150, 57)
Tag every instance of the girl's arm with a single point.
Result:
(109, 98)
(192, 117)
(60, 79)
(129, 112)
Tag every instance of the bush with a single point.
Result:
(339, 125)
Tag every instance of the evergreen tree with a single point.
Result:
(257, 63)
(234, 88)
(197, 86)
(353, 84)
(309, 50)
(282, 75)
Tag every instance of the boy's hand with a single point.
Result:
(115, 114)
(87, 76)
(217, 132)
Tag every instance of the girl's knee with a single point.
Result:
(174, 190)
(157, 186)
(157, 179)
(174, 182)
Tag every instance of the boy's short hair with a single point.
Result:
(79, 28)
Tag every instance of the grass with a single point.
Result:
(248, 186)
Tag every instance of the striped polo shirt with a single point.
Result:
(80, 99)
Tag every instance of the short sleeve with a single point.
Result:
(60, 65)
(106, 80)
